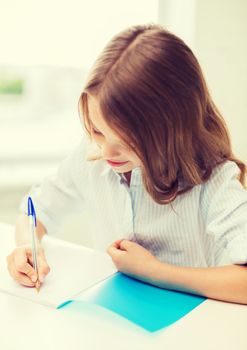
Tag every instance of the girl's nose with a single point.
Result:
(109, 151)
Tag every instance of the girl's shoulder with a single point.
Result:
(223, 206)
(223, 173)
(223, 185)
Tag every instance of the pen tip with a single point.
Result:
(37, 286)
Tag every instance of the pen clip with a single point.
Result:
(30, 210)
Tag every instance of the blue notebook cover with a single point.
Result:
(148, 306)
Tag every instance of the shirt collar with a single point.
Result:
(136, 173)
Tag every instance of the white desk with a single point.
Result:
(25, 325)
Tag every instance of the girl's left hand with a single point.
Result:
(133, 260)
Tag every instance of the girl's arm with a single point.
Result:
(226, 283)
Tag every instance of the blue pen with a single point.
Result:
(33, 224)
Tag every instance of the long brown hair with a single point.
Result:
(151, 92)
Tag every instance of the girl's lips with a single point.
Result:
(116, 163)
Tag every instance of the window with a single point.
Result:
(47, 49)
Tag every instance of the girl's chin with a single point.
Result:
(123, 169)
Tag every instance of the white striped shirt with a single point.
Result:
(194, 230)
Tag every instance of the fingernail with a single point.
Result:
(34, 278)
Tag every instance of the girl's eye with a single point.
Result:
(96, 131)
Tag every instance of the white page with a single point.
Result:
(73, 269)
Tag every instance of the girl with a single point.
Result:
(164, 186)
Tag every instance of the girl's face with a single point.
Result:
(113, 150)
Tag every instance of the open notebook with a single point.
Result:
(73, 269)
(80, 275)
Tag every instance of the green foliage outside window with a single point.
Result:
(11, 87)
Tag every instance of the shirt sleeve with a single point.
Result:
(60, 194)
(224, 208)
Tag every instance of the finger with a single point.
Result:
(22, 265)
(116, 244)
(20, 277)
(126, 245)
(113, 247)
(114, 252)
(37, 285)
(44, 269)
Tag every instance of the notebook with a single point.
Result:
(81, 275)
(147, 306)
(74, 268)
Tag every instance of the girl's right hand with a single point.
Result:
(20, 265)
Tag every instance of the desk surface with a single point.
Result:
(27, 325)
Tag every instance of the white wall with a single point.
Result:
(67, 32)
(217, 32)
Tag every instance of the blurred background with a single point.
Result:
(47, 49)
